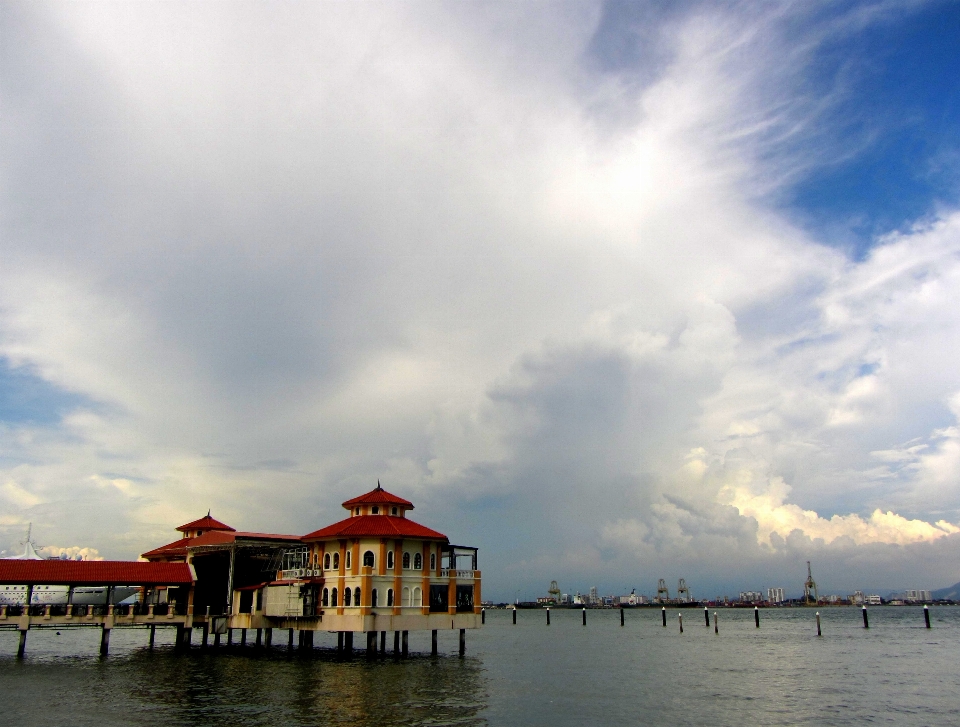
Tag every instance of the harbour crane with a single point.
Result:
(683, 593)
(810, 595)
(663, 595)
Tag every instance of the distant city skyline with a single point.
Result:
(614, 291)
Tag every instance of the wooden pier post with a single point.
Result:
(396, 643)
(584, 616)
(153, 635)
(866, 621)
(403, 643)
(483, 616)
(818, 624)
(104, 640)
(680, 617)
(926, 615)
(463, 642)
(548, 615)
(663, 616)
(433, 643)
(621, 615)
(716, 629)
(514, 615)
(756, 615)
(706, 616)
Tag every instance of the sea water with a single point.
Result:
(895, 672)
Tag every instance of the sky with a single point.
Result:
(612, 292)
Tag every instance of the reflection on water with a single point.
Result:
(528, 674)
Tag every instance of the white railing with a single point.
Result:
(458, 574)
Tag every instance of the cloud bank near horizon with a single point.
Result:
(529, 265)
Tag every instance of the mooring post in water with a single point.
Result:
(706, 616)
(584, 616)
(663, 616)
(866, 621)
(548, 615)
(716, 629)
(514, 615)
(463, 642)
(818, 624)
(926, 615)
(433, 643)
(680, 617)
(756, 615)
(483, 616)
(621, 615)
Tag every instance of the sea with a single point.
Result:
(896, 672)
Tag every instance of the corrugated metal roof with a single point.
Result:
(93, 573)
(375, 526)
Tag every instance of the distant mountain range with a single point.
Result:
(951, 593)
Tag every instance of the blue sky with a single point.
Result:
(612, 291)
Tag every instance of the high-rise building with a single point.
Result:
(775, 595)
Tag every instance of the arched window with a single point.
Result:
(417, 597)
(394, 511)
(406, 560)
(326, 597)
(375, 510)
(406, 597)
(373, 598)
(356, 596)
(389, 560)
(346, 596)
(417, 561)
(326, 562)
(368, 558)
(336, 561)
(433, 561)
(333, 597)
(389, 596)
(349, 553)
(316, 557)
(357, 511)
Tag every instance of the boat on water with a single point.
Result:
(17, 595)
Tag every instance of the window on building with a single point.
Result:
(433, 561)
(406, 560)
(349, 554)
(325, 599)
(375, 510)
(333, 597)
(373, 598)
(326, 562)
(406, 597)
(199, 533)
(336, 561)
(394, 511)
(357, 511)
(356, 596)
(418, 562)
(389, 596)
(368, 558)
(417, 597)
(389, 560)
(346, 597)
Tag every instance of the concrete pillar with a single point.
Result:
(396, 643)
(22, 647)
(290, 639)
(104, 640)
(259, 637)
(383, 642)
(371, 644)
(433, 643)
(268, 637)
(348, 642)
(403, 643)
(243, 637)
(463, 641)
(153, 634)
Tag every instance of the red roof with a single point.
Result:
(377, 497)
(375, 526)
(93, 573)
(211, 537)
(205, 523)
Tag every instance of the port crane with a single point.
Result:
(810, 595)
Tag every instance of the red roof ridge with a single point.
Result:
(206, 523)
(376, 526)
(378, 496)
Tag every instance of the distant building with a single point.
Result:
(873, 600)
(857, 598)
(917, 595)
(775, 595)
(751, 597)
